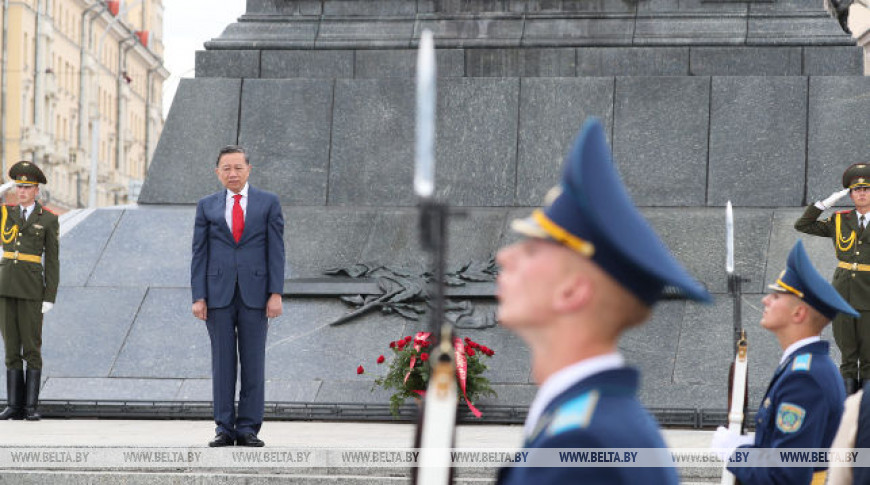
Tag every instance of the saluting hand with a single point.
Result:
(832, 199)
(5, 187)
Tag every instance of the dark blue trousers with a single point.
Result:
(238, 340)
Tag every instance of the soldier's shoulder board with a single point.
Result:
(802, 362)
(46, 209)
(843, 212)
(574, 414)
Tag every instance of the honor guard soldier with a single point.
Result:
(29, 274)
(589, 268)
(852, 276)
(804, 401)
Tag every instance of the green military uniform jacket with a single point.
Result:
(851, 249)
(37, 236)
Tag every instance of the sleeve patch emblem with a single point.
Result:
(789, 417)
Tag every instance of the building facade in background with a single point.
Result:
(81, 95)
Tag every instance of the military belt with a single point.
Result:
(30, 258)
(853, 266)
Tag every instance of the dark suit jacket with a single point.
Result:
(854, 286)
(38, 236)
(256, 261)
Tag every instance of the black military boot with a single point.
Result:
(841, 9)
(14, 395)
(32, 400)
(851, 384)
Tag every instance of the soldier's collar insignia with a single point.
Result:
(789, 417)
(802, 362)
(574, 414)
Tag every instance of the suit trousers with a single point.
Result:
(21, 326)
(853, 338)
(238, 335)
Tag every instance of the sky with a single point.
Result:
(187, 24)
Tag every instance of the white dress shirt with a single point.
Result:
(228, 212)
(560, 381)
(28, 210)
(795, 346)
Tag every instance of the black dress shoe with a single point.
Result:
(221, 439)
(249, 439)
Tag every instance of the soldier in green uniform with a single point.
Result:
(852, 276)
(29, 274)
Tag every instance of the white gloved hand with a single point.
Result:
(5, 187)
(832, 199)
(726, 441)
(47, 306)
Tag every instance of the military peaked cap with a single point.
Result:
(801, 279)
(857, 175)
(593, 215)
(27, 173)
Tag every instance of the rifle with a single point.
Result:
(738, 390)
(437, 421)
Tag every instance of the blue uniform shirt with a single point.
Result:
(601, 411)
(801, 409)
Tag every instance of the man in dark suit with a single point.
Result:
(29, 275)
(852, 276)
(804, 400)
(237, 278)
(589, 268)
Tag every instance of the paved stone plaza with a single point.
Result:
(109, 451)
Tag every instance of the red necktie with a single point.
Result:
(238, 218)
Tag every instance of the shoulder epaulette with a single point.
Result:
(844, 211)
(802, 362)
(574, 414)
(46, 209)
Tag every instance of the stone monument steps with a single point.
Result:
(252, 477)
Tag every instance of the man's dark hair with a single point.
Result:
(231, 149)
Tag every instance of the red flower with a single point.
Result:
(400, 344)
(392, 345)
(424, 356)
(469, 350)
(381, 359)
(490, 352)
(360, 370)
(408, 339)
(484, 349)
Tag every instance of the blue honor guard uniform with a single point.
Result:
(593, 402)
(804, 401)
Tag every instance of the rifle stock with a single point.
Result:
(737, 397)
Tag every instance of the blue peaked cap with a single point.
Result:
(801, 279)
(594, 215)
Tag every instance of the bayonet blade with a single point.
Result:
(424, 171)
(729, 238)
